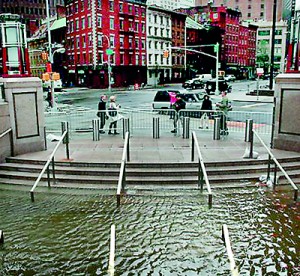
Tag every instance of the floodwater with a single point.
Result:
(159, 234)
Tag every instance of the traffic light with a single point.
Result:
(166, 54)
(216, 47)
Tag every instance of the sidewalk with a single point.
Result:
(148, 150)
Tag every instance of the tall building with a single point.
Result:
(159, 39)
(172, 4)
(250, 9)
(106, 42)
(31, 11)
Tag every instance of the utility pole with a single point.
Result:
(216, 50)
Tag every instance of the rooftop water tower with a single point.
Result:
(14, 58)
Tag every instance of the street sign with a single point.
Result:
(259, 71)
(109, 52)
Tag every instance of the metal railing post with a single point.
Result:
(45, 134)
(48, 176)
(111, 263)
(11, 139)
(269, 167)
(53, 170)
(275, 176)
(217, 127)
(186, 128)
(32, 196)
(1, 237)
(193, 149)
(126, 127)
(155, 128)
(96, 129)
(248, 130)
(128, 149)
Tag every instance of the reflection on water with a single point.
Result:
(155, 235)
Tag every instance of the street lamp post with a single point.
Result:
(109, 52)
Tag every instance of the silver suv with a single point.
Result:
(162, 99)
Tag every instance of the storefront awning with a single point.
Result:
(60, 23)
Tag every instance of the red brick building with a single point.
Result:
(93, 27)
(237, 54)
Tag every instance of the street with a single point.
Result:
(84, 98)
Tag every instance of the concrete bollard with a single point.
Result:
(248, 130)
(186, 128)
(1, 237)
(217, 127)
(64, 127)
(125, 127)
(96, 129)
(155, 128)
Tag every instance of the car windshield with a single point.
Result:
(192, 97)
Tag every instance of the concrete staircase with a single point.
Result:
(22, 173)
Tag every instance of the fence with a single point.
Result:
(141, 121)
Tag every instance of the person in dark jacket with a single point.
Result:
(102, 112)
(206, 105)
(177, 106)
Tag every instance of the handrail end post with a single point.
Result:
(118, 200)
(295, 194)
(210, 200)
(32, 196)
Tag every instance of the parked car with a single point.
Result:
(223, 86)
(162, 99)
(57, 85)
(193, 84)
(230, 78)
(204, 77)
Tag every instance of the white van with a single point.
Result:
(204, 77)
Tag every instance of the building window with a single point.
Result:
(143, 44)
(150, 30)
(143, 27)
(122, 59)
(136, 26)
(278, 32)
(90, 40)
(130, 42)
(100, 58)
(89, 22)
(77, 42)
(99, 21)
(249, 14)
(99, 40)
(137, 43)
(136, 10)
(155, 18)
(77, 24)
(83, 42)
(121, 7)
(99, 4)
(111, 23)
(136, 59)
(130, 9)
(83, 23)
(112, 41)
(155, 44)
(122, 42)
(111, 5)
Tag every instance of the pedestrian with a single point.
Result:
(224, 106)
(206, 105)
(172, 101)
(102, 112)
(177, 106)
(113, 115)
(49, 97)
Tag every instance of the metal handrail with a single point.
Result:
(225, 237)
(271, 156)
(11, 139)
(201, 167)
(122, 175)
(111, 264)
(46, 166)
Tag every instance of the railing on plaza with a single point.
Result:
(64, 138)
(122, 175)
(202, 175)
(225, 237)
(9, 131)
(276, 163)
(142, 120)
(111, 263)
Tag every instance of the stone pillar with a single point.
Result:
(26, 112)
(287, 112)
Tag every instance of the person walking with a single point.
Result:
(49, 97)
(113, 115)
(102, 112)
(206, 105)
(177, 106)
(224, 106)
